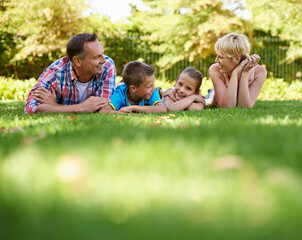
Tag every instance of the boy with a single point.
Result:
(138, 94)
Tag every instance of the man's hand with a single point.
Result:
(128, 109)
(42, 95)
(93, 104)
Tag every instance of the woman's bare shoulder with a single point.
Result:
(260, 71)
(214, 68)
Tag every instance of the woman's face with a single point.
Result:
(226, 64)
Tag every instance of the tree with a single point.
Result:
(35, 32)
(184, 29)
(280, 18)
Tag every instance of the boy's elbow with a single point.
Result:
(162, 107)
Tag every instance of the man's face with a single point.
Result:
(146, 89)
(94, 59)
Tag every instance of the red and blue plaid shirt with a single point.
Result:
(61, 76)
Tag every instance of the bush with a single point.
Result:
(11, 89)
(273, 88)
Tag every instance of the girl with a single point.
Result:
(185, 93)
(236, 76)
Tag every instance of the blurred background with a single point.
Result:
(168, 34)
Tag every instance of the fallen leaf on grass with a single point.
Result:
(72, 118)
(163, 118)
(157, 122)
(29, 140)
(2, 128)
(227, 162)
(70, 169)
(119, 118)
(117, 142)
(197, 122)
(15, 129)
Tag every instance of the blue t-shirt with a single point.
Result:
(119, 98)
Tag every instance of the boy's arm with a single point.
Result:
(158, 107)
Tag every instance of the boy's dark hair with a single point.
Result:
(135, 72)
(195, 74)
(75, 46)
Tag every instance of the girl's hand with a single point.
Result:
(199, 98)
(252, 62)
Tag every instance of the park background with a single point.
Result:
(213, 174)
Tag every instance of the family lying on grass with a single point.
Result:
(84, 81)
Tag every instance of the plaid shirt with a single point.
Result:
(61, 76)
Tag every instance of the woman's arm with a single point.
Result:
(247, 95)
(226, 96)
(195, 106)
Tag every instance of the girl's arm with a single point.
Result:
(195, 106)
(247, 95)
(183, 103)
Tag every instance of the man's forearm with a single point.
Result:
(75, 108)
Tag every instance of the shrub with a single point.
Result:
(273, 88)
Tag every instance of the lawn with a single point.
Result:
(212, 174)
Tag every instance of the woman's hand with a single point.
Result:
(252, 62)
(237, 70)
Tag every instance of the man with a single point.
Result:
(83, 81)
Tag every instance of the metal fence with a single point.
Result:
(272, 51)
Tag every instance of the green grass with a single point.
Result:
(212, 174)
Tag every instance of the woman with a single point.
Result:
(236, 76)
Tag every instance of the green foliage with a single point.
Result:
(14, 89)
(273, 89)
(213, 174)
(278, 89)
(181, 29)
(280, 18)
(34, 33)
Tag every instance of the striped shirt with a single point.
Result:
(61, 76)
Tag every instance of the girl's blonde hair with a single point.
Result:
(232, 45)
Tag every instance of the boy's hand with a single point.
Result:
(128, 109)
(170, 93)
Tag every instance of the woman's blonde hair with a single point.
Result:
(232, 45)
